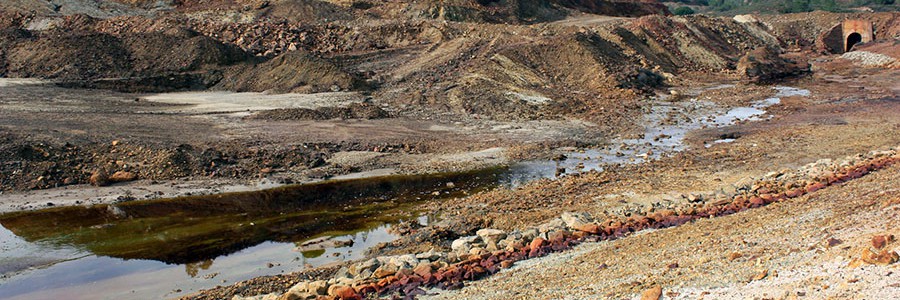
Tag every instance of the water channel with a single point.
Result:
(167, 248)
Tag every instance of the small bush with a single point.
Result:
(683, 11)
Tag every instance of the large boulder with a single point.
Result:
(764, 65)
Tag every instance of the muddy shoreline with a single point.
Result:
(665, 136)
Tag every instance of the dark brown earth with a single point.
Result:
(352, 111)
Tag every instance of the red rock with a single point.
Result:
(367, 289)
(793, 193)
(589, 228)
(478, 270)
(506, 264)
(652, 293)
(581, 233)
(730, 208)
(756, 201)
(759, 276)
(99, 178)
(122, 176)
(814, 187)
(608, 230)
(879, 241)
(534, 253)
(451, 273)
(344, 292)
(536, 243)
(387, 280)
(667, 213)
(487, 263)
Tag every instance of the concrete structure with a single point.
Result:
(855, 32)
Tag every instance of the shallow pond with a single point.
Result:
(170, 247)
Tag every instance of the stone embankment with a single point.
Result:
(490, 250)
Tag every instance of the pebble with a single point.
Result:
(652, 293)
(760, 275)
(879, 241)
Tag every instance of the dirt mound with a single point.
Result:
(13, 19)
(270, 38)
(9, 37)
(594, 73)
(70, 57)
(366, 111)
(137, 62)
(179, 50)
(295, 71)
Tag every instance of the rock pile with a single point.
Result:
(490, 250)
(295, 71)
(869, 59)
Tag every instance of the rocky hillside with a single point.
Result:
(492, 11)
(406, 54)
(493, 70)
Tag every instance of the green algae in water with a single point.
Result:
(313, 253)
(192, 229)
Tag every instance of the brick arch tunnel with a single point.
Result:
(856, 32)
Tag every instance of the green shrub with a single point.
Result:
(682, 11)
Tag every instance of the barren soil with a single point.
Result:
(204, 97)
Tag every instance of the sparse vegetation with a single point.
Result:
(729, 7)
(683, 11)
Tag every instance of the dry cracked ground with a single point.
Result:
(133, 100)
